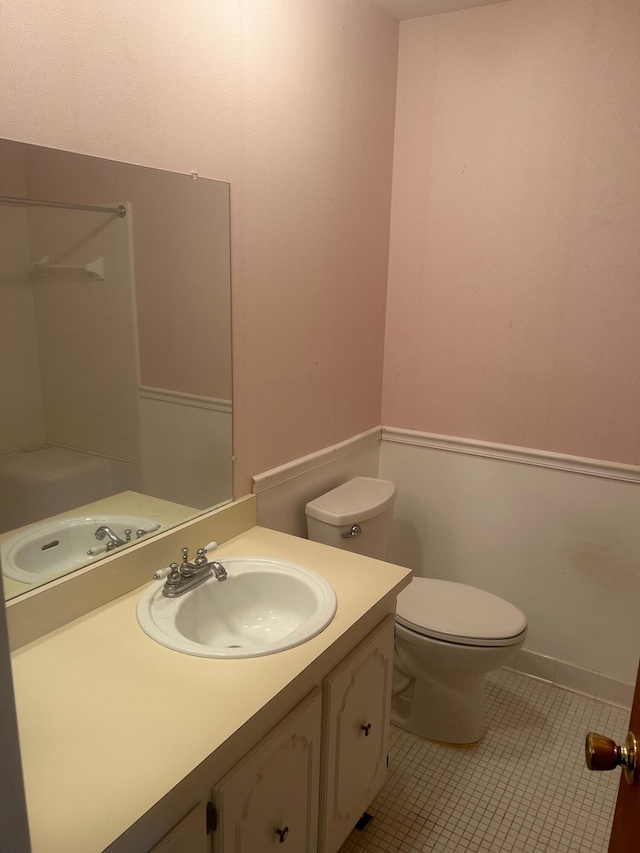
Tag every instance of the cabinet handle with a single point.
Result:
(283, 834)
(366, 729)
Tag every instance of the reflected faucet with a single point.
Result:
(114, 540)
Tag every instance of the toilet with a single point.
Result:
(448, 635)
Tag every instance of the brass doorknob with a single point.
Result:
(602, 753)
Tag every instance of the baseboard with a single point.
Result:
(574, 678)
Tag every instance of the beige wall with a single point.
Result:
(514, 305)
(293, 103)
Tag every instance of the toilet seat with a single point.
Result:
(458, 613)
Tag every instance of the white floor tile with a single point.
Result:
(525, 787)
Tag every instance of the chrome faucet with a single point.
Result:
(188, 569)
(187, 576)
(218, 570)
(114, 540)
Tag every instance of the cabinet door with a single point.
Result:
(271, 796)
(356, 701)
(189, 836)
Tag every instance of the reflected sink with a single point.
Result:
(264, 606)
(57, 547)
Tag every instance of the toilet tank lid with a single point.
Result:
(456, 611)
(356, 500)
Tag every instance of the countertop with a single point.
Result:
(110, 721)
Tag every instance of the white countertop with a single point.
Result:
(99, 702)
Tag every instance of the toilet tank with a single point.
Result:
(364, 501)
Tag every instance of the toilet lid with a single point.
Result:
(355, 501)
(459, 613)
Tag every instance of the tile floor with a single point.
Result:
(525, 787)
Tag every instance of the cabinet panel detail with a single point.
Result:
(355, 734)
(271, 796)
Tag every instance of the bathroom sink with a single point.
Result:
(57, 547)
(264, 606)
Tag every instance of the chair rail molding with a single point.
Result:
(508, 453)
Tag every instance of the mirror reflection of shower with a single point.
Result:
(115, 377)
(71, 427)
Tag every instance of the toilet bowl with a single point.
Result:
(448, 635)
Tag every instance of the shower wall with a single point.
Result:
(68, 342)
(22, 412)
(21, 406)
(86, 332)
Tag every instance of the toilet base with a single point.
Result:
(438, 687)
(450, 713)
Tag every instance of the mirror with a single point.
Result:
(115, 376)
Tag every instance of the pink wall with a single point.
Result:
(514, 291)
(293, 103)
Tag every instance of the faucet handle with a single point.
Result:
(161, 574)
(200, 559)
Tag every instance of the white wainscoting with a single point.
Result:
(557, 536)
(282, 493)
(186, 448)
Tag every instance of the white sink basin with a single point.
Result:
(57, 547)
(264, 606)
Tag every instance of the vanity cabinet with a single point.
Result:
(309, 780)
(356, 706)
(248, 728)
(271, 796)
